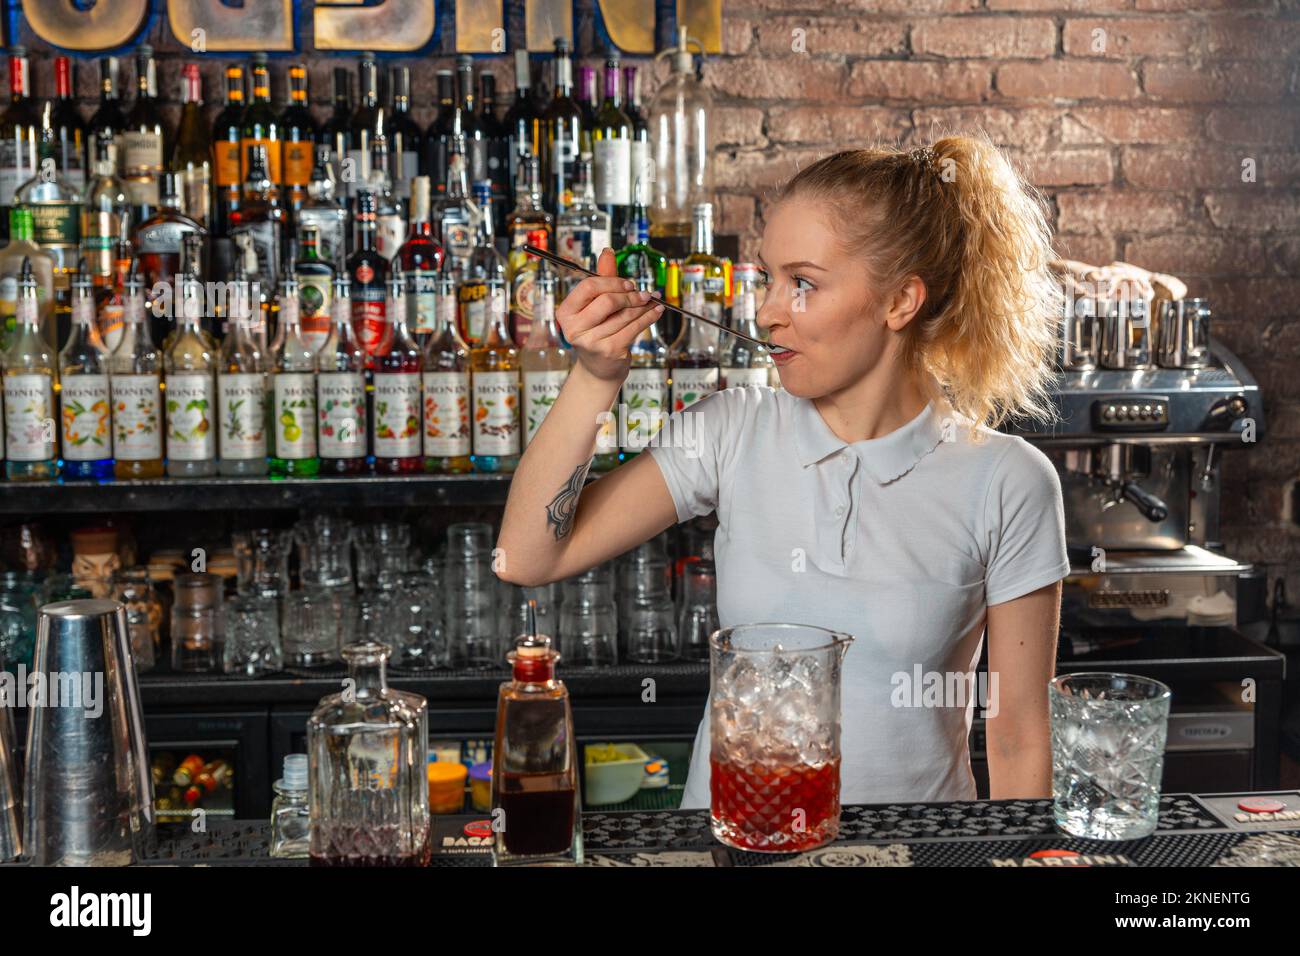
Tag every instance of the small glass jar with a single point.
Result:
(290, 816)
(144, 612)
(197, 624)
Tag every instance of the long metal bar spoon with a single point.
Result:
(577, 267)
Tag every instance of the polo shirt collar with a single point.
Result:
(887, 458)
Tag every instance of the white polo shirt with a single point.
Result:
(901, 541)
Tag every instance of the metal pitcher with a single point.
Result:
(88, 796)
(1125, 333)
(774, 714)
(1184, 326)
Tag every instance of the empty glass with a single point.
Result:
(252, 646)
(699, 610)
(589, 620)
(471, 593)
(415, 624)
(651, 628)
(379, 547)
(262, 561)
(311, 629)
(468, 537)
(19, 591)
(514, 610)
(324, 551)
(1108, 748)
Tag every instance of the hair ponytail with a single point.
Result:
(957, 215)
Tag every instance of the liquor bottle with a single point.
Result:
(67, 127)
(563, 124)
(744, 363)
(20, 126)
(259, 225)
(496, 149)
(226, 150)
(438, 137)
(104, 211)
(390, 225)
(583, 228)
(397, 412)
(453, 213)
(715, 268)
(324, 211)
(586, 103)
(644, 399)
(522, 123)
(31, 436)
(446, 388)
(111, 298)
(637, 254)
(485, 266)
(108, 118)
(641, 164)
(535, 767)
(21, 249)
(241, 389)
(315, 278)
(341, 391)
(298, 133)
(466, 121)
(189, 293)
(336, 134)
(611, 147)
(145, 141)
(365, 123)
(368, 272)
(544, 361)
(55, 206)
(420, 258)
(683, 147)
(135, 377)
(294, 411)
(192, 155)
(404, 137)
(259, 126)
(191, 392)
(160, 238)
(494, 383)
(528, 224)
(83, 391)
(693, 359)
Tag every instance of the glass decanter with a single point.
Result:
(536, 817)
(369, 789)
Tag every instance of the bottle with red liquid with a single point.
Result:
(397, 413)
(368, 272)
(535, 809)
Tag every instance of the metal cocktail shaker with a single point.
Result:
(11, 837)
(88, 797)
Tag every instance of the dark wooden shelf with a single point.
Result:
(221, 494)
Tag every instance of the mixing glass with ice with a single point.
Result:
(774, 768)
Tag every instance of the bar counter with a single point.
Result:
(1194, 830)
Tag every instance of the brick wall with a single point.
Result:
(1134, 116)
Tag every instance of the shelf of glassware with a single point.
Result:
(219, 493)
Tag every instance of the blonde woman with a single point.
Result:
(910, 304)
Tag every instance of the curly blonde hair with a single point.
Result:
(957, 215)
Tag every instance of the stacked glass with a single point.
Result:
(589, 619)
(472, 595)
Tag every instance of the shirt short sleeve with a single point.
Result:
(1025, 519)
(688, 450)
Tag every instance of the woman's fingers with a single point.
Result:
(617, 332)
(601, 310)
(586, 292)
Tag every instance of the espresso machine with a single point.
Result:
(1149, 402)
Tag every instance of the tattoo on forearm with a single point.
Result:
(560, 512)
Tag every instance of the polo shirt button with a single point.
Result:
(839, 511)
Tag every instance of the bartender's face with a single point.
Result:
(819, 305)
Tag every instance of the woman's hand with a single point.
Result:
(602, 317)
